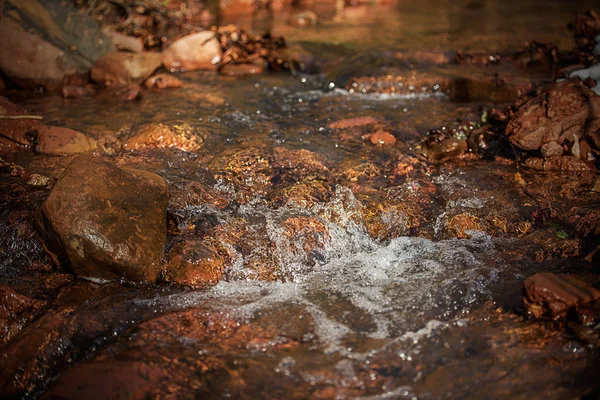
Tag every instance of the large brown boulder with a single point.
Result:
(567, 111)
(32, 62)
(200, 50)
(108, 222)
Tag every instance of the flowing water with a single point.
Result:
(416, 314)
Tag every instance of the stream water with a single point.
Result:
(415, 312)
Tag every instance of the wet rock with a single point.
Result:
(56, 140)
(551, 149)
(303, 239)
(382, 138)
(353, 122)
(123, 42)
(159, 136)
(194, 263)
(359, 172)
(200, 50)
(558, 163)
(248, 171)
(163, 81)
(564, 111)
(109, 379)
(190, 201)
(302, 194)
(13, 310)
(242, 69)
(299, 164)
(461, 225)
(31, 62)
(448, 149)
(72, 91)
(39, 180)
(16, 131)
(548, 295)
(127, 93)
(121, 68)
(109, 222)
(387, 219)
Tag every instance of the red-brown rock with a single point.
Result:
(194, 263)
(58, 140)
(12, 305)
(159, 136)
(553, 295)
(15, 131)
(382, 138)
(72, 91)
(353, 122)
(558, 163)
(108, 222)
(163, 81)
(109, 380)
(566, 110)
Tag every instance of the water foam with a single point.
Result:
(403, 289)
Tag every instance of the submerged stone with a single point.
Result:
(558, 163)
(163, 81)
(448, 149)
(382, 138)
(73, 91)
(194, 263)
(159, 136)
(15, 131)
(59, 140)
(108, 222)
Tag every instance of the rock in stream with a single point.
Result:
(108, 222)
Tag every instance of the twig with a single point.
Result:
(21, 117)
